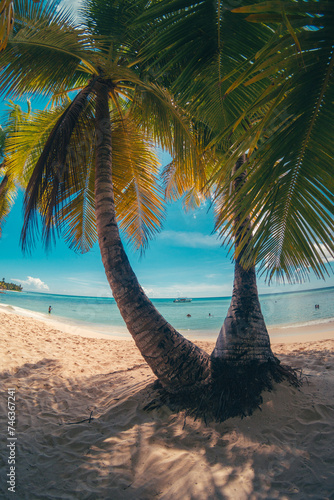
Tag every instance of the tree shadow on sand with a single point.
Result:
(126, 453)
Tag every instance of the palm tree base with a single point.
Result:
(234, 391)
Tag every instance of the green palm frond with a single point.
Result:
(170, 127)
(290, 186)
(185, 33)
(190, 37)
(112, 23)
(29, 132)
(8, 193)
(45, 52)
(51, 174)
(76, 219)
(139, 201)
(63, 196)
(182, 182)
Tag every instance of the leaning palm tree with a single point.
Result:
(252, 93)
(68, 156)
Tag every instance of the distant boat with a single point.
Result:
(182, 299)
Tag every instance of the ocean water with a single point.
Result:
(102, 315)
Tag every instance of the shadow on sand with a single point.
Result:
(126, 453)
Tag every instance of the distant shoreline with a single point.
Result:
(223, 297)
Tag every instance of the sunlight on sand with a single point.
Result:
(125, 453)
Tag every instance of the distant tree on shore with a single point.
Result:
(10, 286)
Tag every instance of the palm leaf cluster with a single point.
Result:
(290, 148)
(49, 54)
(264, 89)
(10, 178)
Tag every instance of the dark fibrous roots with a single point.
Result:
(234, 391)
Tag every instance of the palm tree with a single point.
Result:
(289, 189)
(261, 93)
(97, 66)
(49, 55)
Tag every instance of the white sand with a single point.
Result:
(283, 452)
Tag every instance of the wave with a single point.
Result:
(304, 323)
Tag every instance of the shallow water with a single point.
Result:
(102, 314)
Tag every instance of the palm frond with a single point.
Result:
(290, 185)
(111, 22)
(76, 219)
(170, 127)
(45, 52)
(8, 193)
(139, 202)
(52, 172)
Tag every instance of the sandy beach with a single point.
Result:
(60, 379)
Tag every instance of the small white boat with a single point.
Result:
(182, 299)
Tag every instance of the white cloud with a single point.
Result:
(189, 239)
(32, 283)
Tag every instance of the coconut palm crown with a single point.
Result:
(259, 77)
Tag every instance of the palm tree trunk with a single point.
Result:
(177, 362)
(243, 364)
(243, 338)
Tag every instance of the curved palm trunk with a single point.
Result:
(243, 338)
(177, 362)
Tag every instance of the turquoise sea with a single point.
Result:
(102, 315)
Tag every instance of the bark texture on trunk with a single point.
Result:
(177, 362)
(243, 337)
